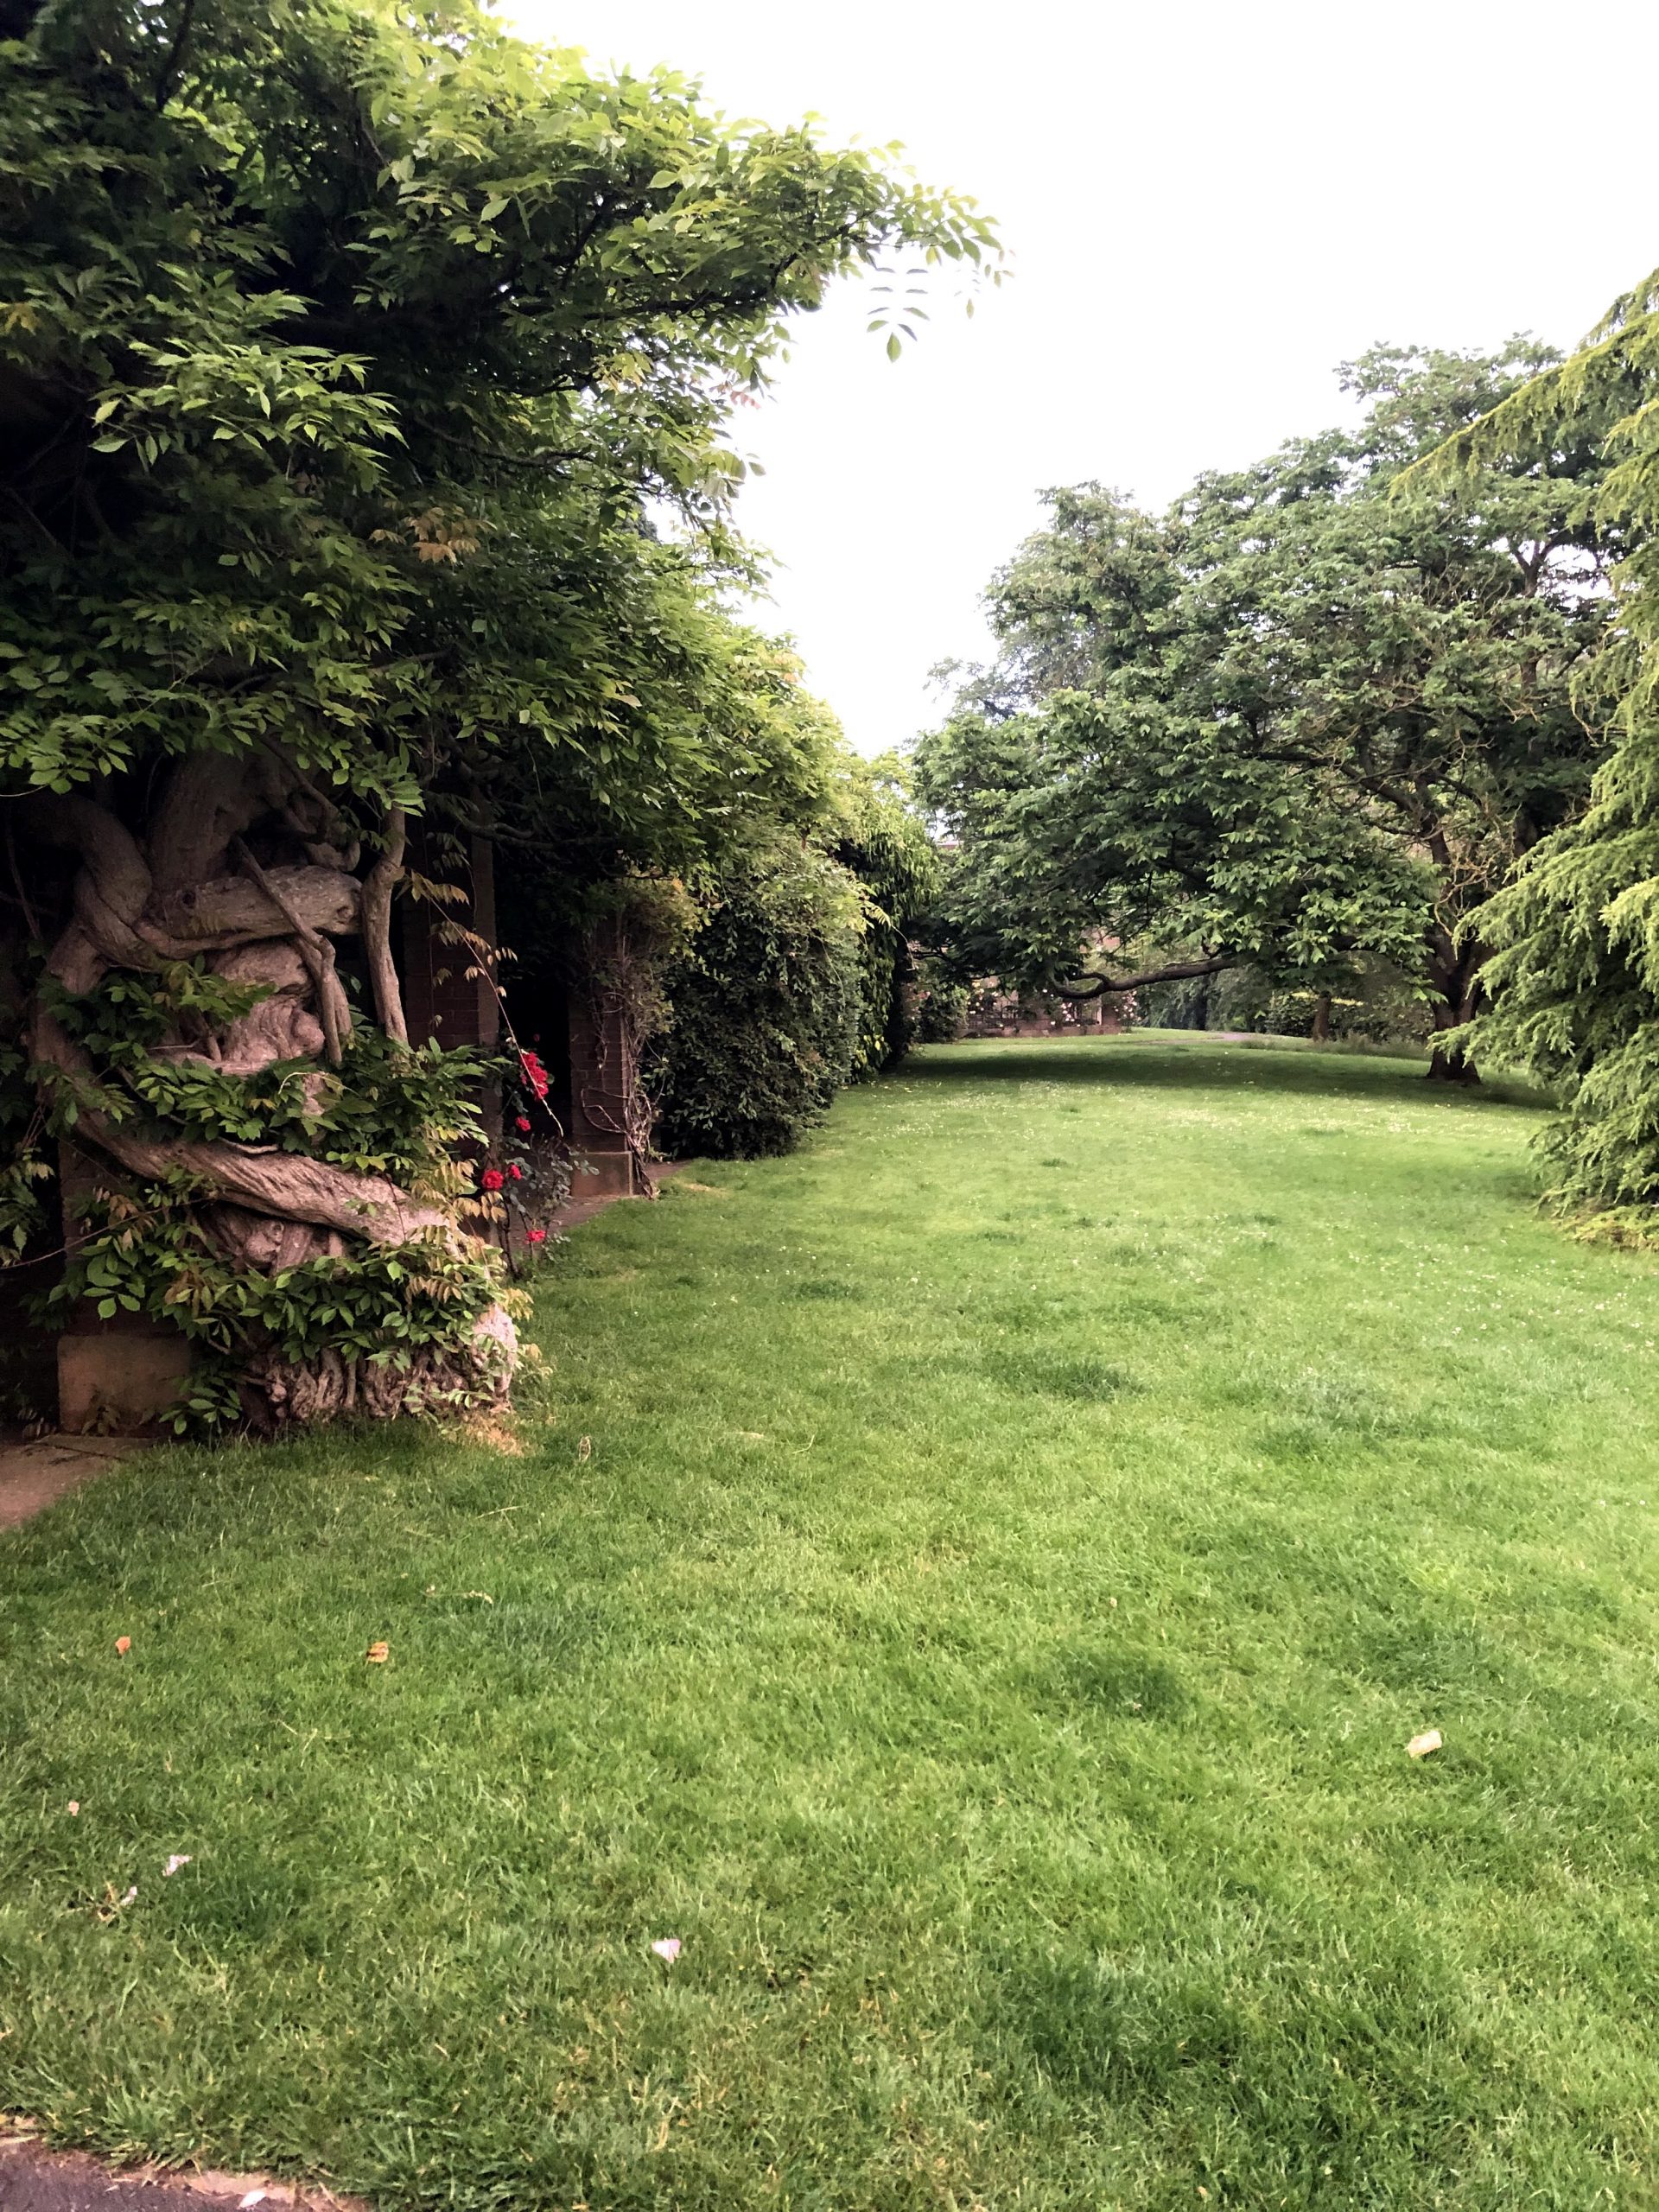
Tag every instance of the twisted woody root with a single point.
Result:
(266, 1209)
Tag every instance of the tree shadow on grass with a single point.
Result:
(1130, 1063)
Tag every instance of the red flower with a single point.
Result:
(535, 1073)
(522, 1124)
(536, 1236)
(516, 1172)
(491, 1178)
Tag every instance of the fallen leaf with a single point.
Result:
(667, 1948)
(1420, 1746)
(123, 1645)
(484, 1594)
(179, 1859)
(377, 1654)
(585, 1449)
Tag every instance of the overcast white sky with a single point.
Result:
(1207, 206)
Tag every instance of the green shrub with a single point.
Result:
(765, 1006)
(941, 1007)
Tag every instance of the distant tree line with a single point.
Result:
(1372, 718)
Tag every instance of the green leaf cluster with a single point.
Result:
(883, 842)
(146, 1250)
(343, 353)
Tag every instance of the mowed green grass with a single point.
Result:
(1016, 1538)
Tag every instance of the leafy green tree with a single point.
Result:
(1309, 716)
(345, 353)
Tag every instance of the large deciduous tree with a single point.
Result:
(1311, 713)
(346, 353)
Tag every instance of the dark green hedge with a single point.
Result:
(767, 1007)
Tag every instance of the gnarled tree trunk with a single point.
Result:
(240, 862)
(1454, 969)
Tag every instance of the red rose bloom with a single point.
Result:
(516, 1173)
(522, 1124)
(536, 1236)
(491, 1178)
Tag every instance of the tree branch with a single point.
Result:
(376, 901)
(175, 54)
(287, 1185)
(334, 1008)
(1179, 971)
(534, 460)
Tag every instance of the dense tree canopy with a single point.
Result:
(362, 377)
(340, 348)
(1310, 714)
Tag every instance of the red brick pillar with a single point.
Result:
(449, 985)
(605, 1103)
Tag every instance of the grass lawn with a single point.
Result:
(1018, 1534)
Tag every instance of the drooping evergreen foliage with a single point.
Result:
(346, 353)
(1307, 719)
(1575, 972)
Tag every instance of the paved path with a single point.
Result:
(34, 2180)
(35, 1476)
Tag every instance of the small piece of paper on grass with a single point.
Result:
(1420, 1746)
(667, 1948)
